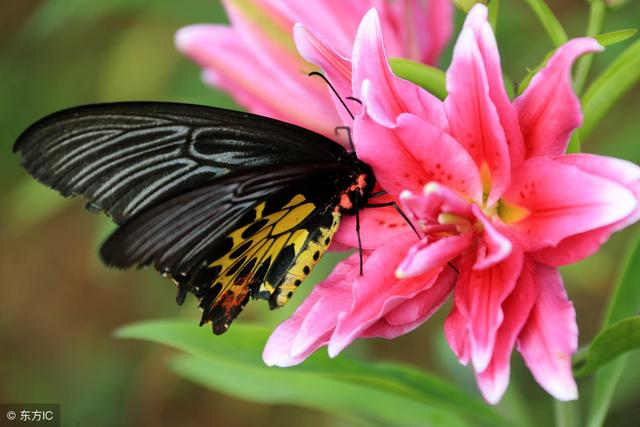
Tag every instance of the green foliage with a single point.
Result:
(596, 19)
(624, 302)
(430, 78)
(613, 342)
(378, 393)
(494, 7)
(615, 37)
(620, 76)
(552, 26)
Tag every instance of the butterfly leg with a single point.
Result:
(348, 130)
(397, 208)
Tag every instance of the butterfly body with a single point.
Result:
(229, 205)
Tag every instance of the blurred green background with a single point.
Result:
(59, 306)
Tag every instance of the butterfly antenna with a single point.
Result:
(333, 89)
(351, 98)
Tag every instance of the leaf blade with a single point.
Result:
(625, 301)
(605, 91)
(552, 26)
(244, 346)
(611, 343)
(614, 37)
(429, 78)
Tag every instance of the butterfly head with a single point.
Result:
(356, 195)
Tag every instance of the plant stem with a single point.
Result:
(596, 18)
(566, 414)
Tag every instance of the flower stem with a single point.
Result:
(596, 18)
(566, 414)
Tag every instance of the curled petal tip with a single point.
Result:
(478, 12)
(481, 360)
(431, 187)
(269, 358)
(406, 195)
(182, 38)
(370, 18)
(562, 390)
(492, 397)
(334, 348)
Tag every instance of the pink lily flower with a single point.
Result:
(256, 61)
(486, 181)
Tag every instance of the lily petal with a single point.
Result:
(583, 202)
(387, 96)
(414, 154)
(377, 226)
(549, 110)
(414, 311)
(425, 256)
(579, 246)
(493, 381)
(493, 247)
(550, 336)
(477, 21)
(324, 18)
(456, 331)
(310, 327)
(479, 296)
(473, 117)
(438, 18)
(337, 68)
(377, 292)
(218, 48)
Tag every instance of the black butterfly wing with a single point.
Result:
(126, 157)
(257, 234)
(229, 204)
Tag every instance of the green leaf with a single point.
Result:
(387, 393)
(614, 341)
(550, 23)
(430, 78)
(625, 302)
(574, 143)
(613, 37)
(596, 19)
(620, 76)
(494, 7)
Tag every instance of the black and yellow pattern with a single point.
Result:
(269, 258)
(229, 205)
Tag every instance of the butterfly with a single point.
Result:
(229, 205)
